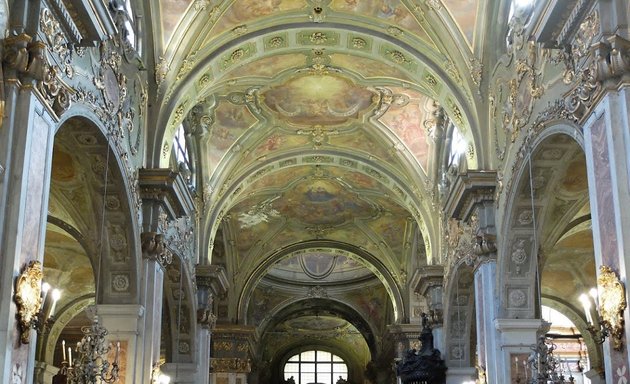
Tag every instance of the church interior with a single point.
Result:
(314, 191)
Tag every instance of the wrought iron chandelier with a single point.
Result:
(545, 367)
(91, 366)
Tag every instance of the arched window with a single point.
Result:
(315, 367)
(182, 156)
(124, 19)
(457, 149)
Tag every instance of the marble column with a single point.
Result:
(607, 147)
(26, 142)
(211, 281)
(486, 309)
(155, 257)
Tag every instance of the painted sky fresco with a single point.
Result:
(465, 14)
(268, 66)
(275, 142)
(363, 142)
(391, 11)
(322, 202)
(172, 11)
(367, 68)
(243, 12)
(331, 100)
(407, 123)
(230, 122)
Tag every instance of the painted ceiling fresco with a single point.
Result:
(320, 99)
(67, 265)
(317, 134)
(319, 265)
(465, 14)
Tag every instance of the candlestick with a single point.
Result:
(63, 349)
(70, 356)
(117, 351)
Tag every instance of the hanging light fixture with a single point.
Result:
(91, 365)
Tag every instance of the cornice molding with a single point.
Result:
(470, 189)
(169, 189)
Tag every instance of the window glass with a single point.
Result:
(315, 366)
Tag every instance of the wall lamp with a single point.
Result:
(609, 299)
(35, 301)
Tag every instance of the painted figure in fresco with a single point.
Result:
(320, 194)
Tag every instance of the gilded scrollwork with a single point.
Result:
(28, 298)
(612, 303)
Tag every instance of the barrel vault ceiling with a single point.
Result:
(314, 126)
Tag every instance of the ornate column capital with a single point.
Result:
(169, 189)
(213, 278)
(154, 248)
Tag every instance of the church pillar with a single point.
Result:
(124, 325)
(155, 259)
(607, 147)
(231, 361)
(212, 281)
(405, 337)
(473, 238)
(486, 312)
(26, 142)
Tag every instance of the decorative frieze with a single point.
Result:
(231, 365)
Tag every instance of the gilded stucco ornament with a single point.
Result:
(612, 303)
(28, 298)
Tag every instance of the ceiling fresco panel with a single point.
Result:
(361, 141)
(247, 11)
(230, 122)
(407, 122)
(465, 14)
(323, 202)
(276, 141)
(368, 68)
(268, 66)
(391, 11)
(171, 11)
(318, 99)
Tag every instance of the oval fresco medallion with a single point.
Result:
(329, 100)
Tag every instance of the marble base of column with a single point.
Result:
(456, 375)
(180, 373)
(516, 338)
